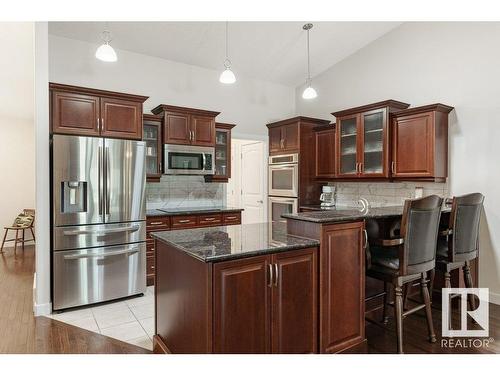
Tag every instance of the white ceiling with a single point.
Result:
(271, 51)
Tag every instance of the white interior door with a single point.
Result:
(252, 182)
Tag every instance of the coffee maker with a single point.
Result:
(327, 196)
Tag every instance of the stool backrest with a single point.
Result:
(419, 228)
(464, 222)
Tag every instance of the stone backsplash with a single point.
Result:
(184, 191)
(381, 194)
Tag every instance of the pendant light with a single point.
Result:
(227, 76)
(105, 52)
(309, 92)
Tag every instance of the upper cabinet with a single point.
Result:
(222, 153)
(91, 112)
(284, 137)
(420, 143)
(152, 135)
(325, 151)
(362, 140)
(187, 126)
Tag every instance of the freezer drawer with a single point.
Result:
(84, 236)
(89, 276)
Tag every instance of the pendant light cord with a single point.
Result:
(308, 59)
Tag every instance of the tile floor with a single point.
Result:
(130, 320)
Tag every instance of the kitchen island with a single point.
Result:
(235, 289)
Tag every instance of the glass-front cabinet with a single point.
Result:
(152, 137)
(222, 153)
(363, 140)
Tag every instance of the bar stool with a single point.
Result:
(407, 259)
(458, 245)
(23, 222)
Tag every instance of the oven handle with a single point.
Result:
(131, 250)
(204, 160)
(76, 232)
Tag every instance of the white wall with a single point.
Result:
(17, 131)
(249, 103)
(422, 63)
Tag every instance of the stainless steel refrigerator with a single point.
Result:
(98, 220)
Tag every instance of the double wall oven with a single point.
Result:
(283, 185)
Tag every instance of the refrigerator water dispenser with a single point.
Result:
(73, 196)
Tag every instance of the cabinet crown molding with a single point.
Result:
(91, 91)
(298, 119)
(224, 125)
(330, 126)
(172, 108)
(438, 107)
(393, 105)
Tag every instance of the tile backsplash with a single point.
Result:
(381, 194)
(184, 191)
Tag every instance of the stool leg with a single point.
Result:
(3, 242)
(406, 292)
(468, 284)
(431, 285)
(15, 243)
(398, 311)
(32, 233)
(23, 240)
(447, 284)
(428, 311)
(385, 318)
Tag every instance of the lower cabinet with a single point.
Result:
(266, 304)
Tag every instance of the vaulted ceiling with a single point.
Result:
(271, 51)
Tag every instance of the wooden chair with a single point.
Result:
(409, 258)
(19, 228)
(458, 244)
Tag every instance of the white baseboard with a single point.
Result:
(495, 298)
(42, 308)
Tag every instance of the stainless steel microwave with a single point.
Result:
(188, 160)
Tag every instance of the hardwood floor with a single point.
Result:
(21, 332)
(382, 339)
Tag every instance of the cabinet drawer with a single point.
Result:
(155, 222)
(150, 248)
(206, 220)
(232, 218)
(184, 222)
(150, 265)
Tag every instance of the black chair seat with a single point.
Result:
(385, 257)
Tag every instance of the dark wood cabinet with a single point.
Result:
(342, 280)
(187, 126)
(325, 157)
(91, 112)
(362, 140)
(241, 306)
(297, 136)
(284, 137)
(266, 304)
(294, 302)
(420, 143)
(222, 153)
(152, 135)
(176, 222)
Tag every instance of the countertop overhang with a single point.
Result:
(191, 211)
(215, 244)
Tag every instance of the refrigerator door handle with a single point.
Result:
(108, 184)
(99, 179)
(131, 250)
(102, 232)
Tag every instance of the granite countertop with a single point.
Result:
(338, 214)
(216, 244)
(191, 211)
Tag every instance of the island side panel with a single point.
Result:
(183, 295)
(341, 282)
(342, 287)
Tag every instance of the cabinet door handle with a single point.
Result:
(360, 168)
(185, 221)
(365, 233)
(156, 223)
(393, 167)
(209, 219)
(276, 274)
(270, 268)
(230, 217)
